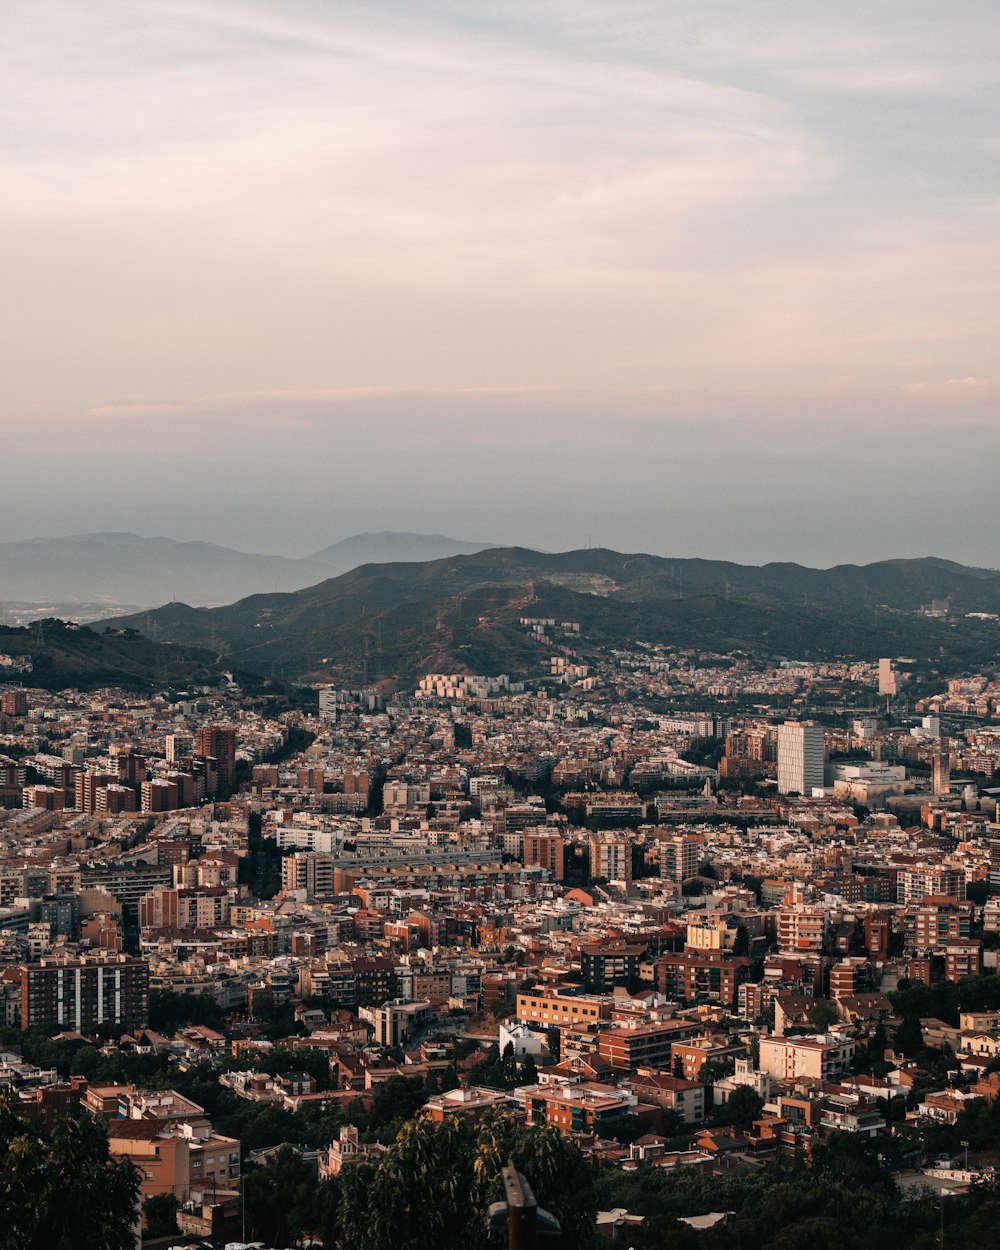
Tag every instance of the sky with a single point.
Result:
(701, 279)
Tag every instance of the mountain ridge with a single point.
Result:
(120, 568)
(392, 622)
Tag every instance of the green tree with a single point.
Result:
(710, 1072)
(66, 1194)
(741, 1108)
(556, 1170)
(908, 1038)
(397, 1098)
(624, 1129)
(436, 1181)
(279, 1197)
(417, 1195)
(170, 1011)
(159, 1215)
(821, 1016)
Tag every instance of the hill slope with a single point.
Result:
(394, 622)
(64, 655)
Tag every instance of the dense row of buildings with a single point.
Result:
(658, 909)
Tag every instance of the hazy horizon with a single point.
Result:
(715, 281)
(486, 544)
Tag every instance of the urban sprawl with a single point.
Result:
(693, 910)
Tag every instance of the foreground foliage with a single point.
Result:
(66, 1193)
(433, 1183)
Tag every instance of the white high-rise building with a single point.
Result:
(801, 757)
(178, 746)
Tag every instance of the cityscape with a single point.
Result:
(499, 626)
(265, 939)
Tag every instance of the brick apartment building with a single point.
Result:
(702, 976)
(544, 849)
(218, 742)
(85, 992)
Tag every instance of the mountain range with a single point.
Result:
(125, 569)
(392, 622)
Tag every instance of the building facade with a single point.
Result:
(801, 758)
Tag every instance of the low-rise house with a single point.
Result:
(744, 1075)
(574, 1109)
(848, 1113)
(173, 1157)
(345, 1149)
(945, 1105)
(671, 1093)
(471, 1104)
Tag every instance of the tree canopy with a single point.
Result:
(66, 1193)
(435, 1183)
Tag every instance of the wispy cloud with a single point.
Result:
(561, 219)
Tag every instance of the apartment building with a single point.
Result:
(931, 923)
(702, 976)
(573, 1109)
(546, 850)
(801, 757)
(801, 929)
(689, 1057)
(204, 908)
(963, 958)
(672, 1093)
(541, 1010)
(218, 742)
(641, 1045)
(608, 963)
(611, 857)
(921, 880)
(85, 992)
(824, 1057)
(680, 856)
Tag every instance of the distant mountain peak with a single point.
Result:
(392, 546)
(111, 570)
